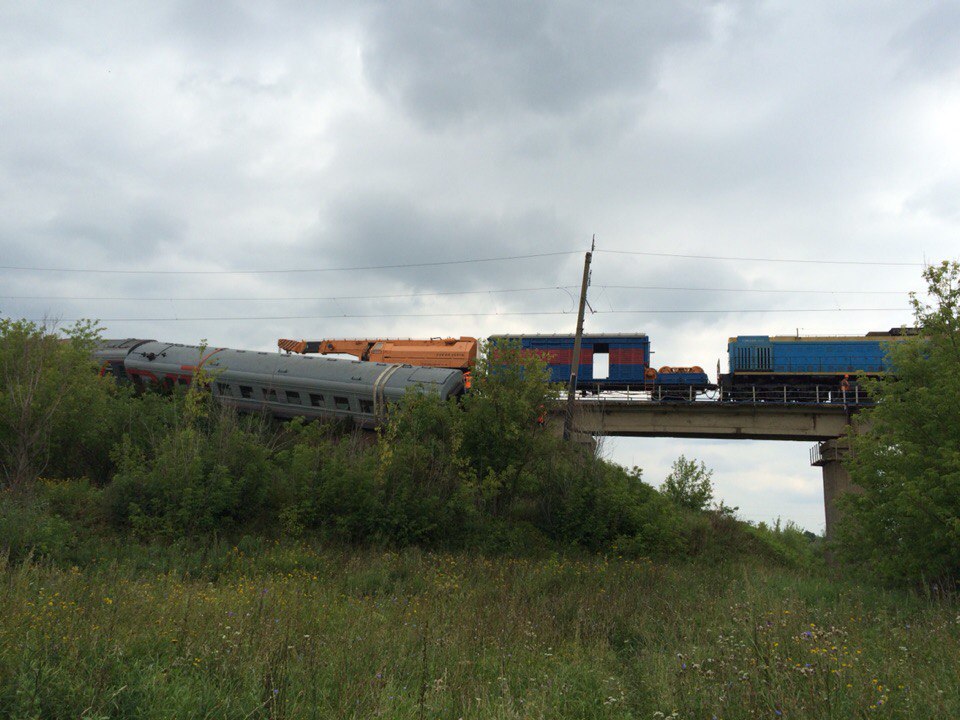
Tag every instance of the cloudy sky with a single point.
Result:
(198, 139)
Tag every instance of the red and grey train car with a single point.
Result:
(283, 385)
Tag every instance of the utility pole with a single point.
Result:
(575, 360)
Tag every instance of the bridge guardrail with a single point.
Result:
(817, 395)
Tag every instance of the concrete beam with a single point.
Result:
(710, 420)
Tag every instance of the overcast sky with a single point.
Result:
(311, 135)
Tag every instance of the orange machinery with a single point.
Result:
(457, 353)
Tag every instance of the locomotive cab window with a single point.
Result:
(341, 403)
(601, 361)
(246, 391)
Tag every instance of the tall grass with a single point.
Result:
(285, 630)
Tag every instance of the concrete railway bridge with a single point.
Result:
(823, 423)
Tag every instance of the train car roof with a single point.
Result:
(567, 336)
(121, 343)
(272, 363)
(874, 335)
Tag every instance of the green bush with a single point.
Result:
(57, 417)
(28, 528)
(209, 475)
(324, 482)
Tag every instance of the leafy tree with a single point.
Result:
(906, 524)
(502, 433)
(689, 484)
(52, 404)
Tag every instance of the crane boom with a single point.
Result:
(457, 353)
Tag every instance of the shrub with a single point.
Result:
(55, 412)
(208, 475)
(28, 528)
(689, 485)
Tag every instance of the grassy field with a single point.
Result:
(290, 631)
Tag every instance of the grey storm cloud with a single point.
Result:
(445, 62)
(931, 42)
(391, 230)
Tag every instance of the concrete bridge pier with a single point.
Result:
(829, 456)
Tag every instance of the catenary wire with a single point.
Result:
(450, 293)
(277, 299)
(291, 270)
(758, 259)
(671, 311)
(456, 262)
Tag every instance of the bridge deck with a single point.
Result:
(763, 421)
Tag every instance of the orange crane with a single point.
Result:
(456, 353)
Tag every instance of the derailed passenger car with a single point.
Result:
(284, 385)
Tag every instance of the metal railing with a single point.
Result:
(818, 395)
(815, 457)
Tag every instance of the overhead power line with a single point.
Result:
(445, 294)
(638, 311)
(440, 263)
(259, 299)
(754, 290)
(290, 270)
(761, 259)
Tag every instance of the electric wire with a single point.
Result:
(437, 263)
(636, 311)
(285, 299)
(446, 294)
(759, 259)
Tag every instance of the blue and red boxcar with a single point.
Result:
(615, 361)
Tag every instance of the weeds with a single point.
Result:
(293, 631)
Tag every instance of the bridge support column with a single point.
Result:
(829, 456)
(577, 437)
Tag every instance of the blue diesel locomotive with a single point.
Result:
(817, 368)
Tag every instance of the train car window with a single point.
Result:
(293, 397)
(246, 391)
(601, 361)
(316, 400)
(224, 389)
(341, 403)
(269, 395)
(366, 406)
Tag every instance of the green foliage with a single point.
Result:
(325, 482)
(906, 524)
(57, 417)
(209, 474)
(689, 484)
(28, 528)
